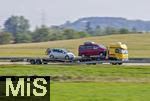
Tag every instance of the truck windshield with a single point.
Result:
(121, 51)
(124, 51)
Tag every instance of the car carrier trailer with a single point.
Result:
(33, 60)
(77, 60)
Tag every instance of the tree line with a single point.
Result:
(17, 30)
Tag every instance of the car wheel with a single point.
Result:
(51, 56)
(67, 57)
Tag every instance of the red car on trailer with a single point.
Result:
(89, 49)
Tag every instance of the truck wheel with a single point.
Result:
(93, 63)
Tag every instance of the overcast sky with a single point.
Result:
(56, 12)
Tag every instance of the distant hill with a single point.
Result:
(103, 22)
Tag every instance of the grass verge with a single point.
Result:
(90, 83)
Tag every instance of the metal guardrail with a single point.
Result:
(139, 60)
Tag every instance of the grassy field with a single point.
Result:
(138, 44)
(81, 73)
(90, 83)
(100, 91)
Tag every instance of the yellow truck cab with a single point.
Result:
(118, 51)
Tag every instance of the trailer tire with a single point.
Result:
(38, 61)
(91, 64)
(120, 63)
(83, 56)
(114, 63)
(32, 62)
(101, 55)
(45, 61)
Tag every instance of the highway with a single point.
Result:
(23, 61)
(26, 63)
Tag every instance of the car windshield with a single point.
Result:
(64, 50)
(102, 46)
